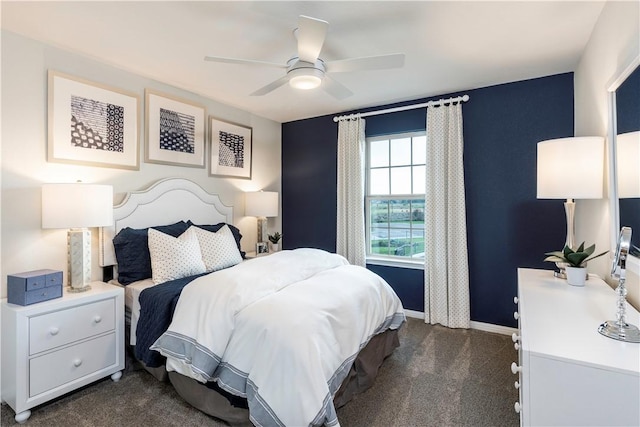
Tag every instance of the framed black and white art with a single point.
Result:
(91, 123)
(230, 149)
(175, 131)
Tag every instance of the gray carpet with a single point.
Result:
(437, 377)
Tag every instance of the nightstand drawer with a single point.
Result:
(60, 367)
(52, 330)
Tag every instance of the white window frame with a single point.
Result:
(387, 260)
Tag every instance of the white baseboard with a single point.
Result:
(414, 314)
(481, 326)
(490, 327)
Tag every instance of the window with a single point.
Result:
(395, 205)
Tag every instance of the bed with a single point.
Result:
(240, 339)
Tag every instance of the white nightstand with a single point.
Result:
(54, 347)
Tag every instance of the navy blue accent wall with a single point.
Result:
(309, 180)
(507, 227)
(408, 283)
(628, 120)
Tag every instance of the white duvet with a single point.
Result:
(281, 330)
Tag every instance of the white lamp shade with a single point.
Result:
(261, 204)
(571, 168)
(628, 164)
(76, 205)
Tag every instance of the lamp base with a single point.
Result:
(561, 273)
(262, 229)
(621, 332)
(73, 290)
(79, 258)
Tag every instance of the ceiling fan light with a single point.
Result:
(305, 82)
(305, 78)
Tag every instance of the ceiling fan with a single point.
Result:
(307, 70)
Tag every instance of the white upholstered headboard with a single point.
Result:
(165, 202)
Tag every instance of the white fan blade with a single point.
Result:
(311, 34)
(380, 62)
(335, 89)
(243, 61)
(271, 86)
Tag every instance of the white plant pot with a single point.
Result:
(576, 276)
(275, 247)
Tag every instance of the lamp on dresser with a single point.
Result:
(570, 168)
(261, 204)
(76, 207)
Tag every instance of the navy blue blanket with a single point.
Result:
(157, 305)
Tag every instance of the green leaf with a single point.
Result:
(555, 259)
(596, 256)
(567, 250)
(558, 254)
(581, 247)
(576, 258)
(590, 249)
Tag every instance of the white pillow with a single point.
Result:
(174, 257)
(219, 249)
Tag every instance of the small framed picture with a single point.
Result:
(92, 124)
(175, 131)
(262, 248)
(230, 149)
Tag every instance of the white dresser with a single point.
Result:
(54, 347)
(569, 374)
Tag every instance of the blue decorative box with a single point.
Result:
(34, 286)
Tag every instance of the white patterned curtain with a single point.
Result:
(350, 236)
(446, 270)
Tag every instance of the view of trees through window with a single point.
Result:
(395, 195)
(397, 227)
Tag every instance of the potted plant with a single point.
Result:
(275, 240)
(575, 262)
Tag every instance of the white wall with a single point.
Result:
(25, 246)
(614, 42)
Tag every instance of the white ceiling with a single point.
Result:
(449, 45)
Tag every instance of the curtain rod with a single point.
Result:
(437, 103)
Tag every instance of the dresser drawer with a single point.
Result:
(52, 330)
(60, 367)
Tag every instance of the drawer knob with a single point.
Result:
(515, 337)
(516, 346)
(515, 300)
(516, 315)
(77, 362)
(516, 385)
(97, 319)
(54, 331)
(515, 368)
(517, 407)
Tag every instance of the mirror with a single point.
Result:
(624, 131)
(619, 329)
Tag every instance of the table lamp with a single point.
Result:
(261, 204)
(570, 168)
(76, 207)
